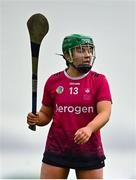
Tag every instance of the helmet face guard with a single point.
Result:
(72, 43)
(78, 62)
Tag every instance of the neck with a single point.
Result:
(71, 71)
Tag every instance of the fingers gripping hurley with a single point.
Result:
(38, 27)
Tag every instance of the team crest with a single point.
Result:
(60, 89)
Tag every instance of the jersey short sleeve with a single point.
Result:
(47, 98)
(103, 90)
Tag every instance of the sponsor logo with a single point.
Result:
(74, 109)
(74, 83)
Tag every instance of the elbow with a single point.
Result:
(108, 117)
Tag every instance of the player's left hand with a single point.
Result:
(82, 135)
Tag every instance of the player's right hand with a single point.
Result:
(32, 119)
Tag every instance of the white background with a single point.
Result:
(112, 24)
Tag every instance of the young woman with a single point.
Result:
(78, 102)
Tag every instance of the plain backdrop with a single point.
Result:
(112, 25)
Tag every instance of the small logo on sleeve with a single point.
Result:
(60, 89)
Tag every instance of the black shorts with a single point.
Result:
(73, 162)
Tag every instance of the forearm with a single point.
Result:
(99, 121)
(43, 119)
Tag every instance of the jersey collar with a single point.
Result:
(75, 78)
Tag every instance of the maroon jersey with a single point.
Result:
(74, 101)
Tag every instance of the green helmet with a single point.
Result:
(74, 40)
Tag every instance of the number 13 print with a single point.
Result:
(73, 90)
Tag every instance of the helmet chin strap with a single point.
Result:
(82, 68)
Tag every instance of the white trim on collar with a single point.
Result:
(75, 78)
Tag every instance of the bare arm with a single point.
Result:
(104, 110)
(42, 118)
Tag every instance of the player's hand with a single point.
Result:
(32, 119)
(82, 135)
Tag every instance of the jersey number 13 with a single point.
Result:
(73, 90)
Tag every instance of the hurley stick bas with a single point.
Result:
(38, 27)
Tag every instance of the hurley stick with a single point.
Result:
(38, 27)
